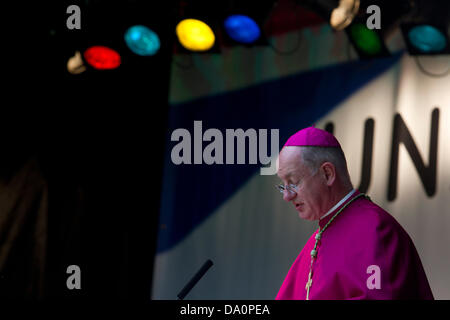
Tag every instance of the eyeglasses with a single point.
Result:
(291, 188)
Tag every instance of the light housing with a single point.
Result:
(242, 28)
(195, 35)
(142, 40)
(368, 43)
(102, 58)
(344, 13)
(425, 38)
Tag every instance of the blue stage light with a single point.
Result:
(242, 29)
(142, 41)
(427, 39)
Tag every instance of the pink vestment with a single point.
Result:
(361, 236)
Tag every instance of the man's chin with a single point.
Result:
(305, 215)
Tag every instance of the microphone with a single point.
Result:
(200, 273)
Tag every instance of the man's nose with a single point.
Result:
(288, 196)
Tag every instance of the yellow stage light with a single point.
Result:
(195, 35)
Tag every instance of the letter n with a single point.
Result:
(74, 20)
(427, 174)
(366, 171)
(74, 280)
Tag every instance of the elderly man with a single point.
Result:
(359, 250)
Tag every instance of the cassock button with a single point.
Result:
(313, 253)
(317, 236)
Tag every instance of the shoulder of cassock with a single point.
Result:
(374, 237)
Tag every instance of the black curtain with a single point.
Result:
(97, 141)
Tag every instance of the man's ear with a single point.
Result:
(329, 173)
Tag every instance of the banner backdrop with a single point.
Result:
(393, 122)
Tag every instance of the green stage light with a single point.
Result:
(366, 40)
(367, 43)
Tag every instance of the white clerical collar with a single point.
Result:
(339, 203)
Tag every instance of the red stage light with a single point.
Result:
(102, 58)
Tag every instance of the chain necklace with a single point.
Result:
(319, 235)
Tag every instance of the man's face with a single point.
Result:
(308, 199)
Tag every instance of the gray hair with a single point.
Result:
(313, 157)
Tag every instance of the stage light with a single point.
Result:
(365, 39)
(102, 58)
(195, 35)
(344, 14)
(368, 43)
(339, 14)
(142, 41)
(75, 64)
(242, 28)
(426, 32)
(425, 39)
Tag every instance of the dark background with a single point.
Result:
(98, 137)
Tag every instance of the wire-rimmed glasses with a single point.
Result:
(290, 188)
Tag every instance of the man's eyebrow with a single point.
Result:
(286, 176)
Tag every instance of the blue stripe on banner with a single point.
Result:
(190, 193)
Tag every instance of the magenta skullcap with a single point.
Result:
(312, 137)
